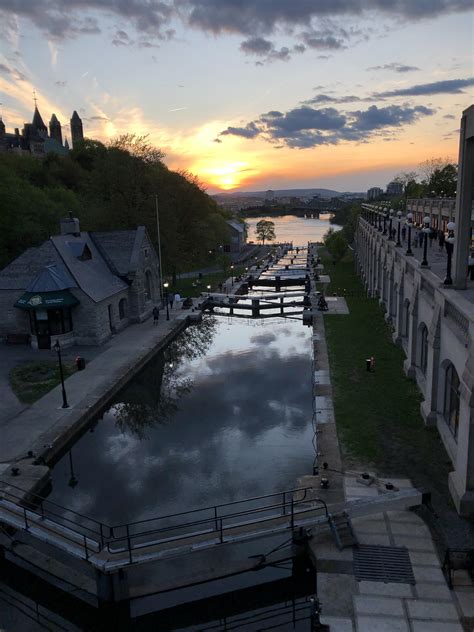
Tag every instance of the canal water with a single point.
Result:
(293, 229)
(223, 414)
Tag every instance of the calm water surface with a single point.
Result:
(289, 228)
(223, 414)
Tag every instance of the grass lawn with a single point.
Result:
(377, 414)
(185, 286)
(31, 381)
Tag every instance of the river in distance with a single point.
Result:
(290, 228)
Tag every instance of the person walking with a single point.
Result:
(441, 239)
(177, 300)
(156, 315)
(171, 301)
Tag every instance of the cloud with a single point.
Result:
(450, 86)
(250, 17)
(449, 116)
(326, 98)
(304, 127)
(396, 67)
(13, 72)
(151, 19)
(249, 131)
(256, 46)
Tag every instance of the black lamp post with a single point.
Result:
(166, 297)
(409, 224)
(399, 218)
(426, 231)
(232, 273)
(57, 348)
(390, 224)
(379, 213)
(449, 243)
(72, 478)
(385, 215)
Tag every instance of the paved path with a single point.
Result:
(44, 426)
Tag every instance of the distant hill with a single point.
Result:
(326, 193)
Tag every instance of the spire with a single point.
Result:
(77, 133)
(37, 122)
(66, 144)
(55, 129)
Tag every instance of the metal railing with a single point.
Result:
(219, 522)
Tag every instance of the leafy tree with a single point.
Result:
(265, 230)
(444, 181)
(336, 243)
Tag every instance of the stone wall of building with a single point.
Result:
(140, 307)
(14, 320)
(435, 326)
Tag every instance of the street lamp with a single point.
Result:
(379, 216)
(449, 243)
(57, 348)
(399, 218)
(208, 288)
(72, 478)
(409, 224)
(166, 286)
(390, 225)
(426, 231)
(385, 217)
(232, 273)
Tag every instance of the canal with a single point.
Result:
(293, 229)
(224, 413)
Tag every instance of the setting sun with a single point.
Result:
(226, 176)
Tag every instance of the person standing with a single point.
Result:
(177, 300)
(156, 315)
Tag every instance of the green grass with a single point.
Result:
(31, 381)
(185, 286)
(377, 414)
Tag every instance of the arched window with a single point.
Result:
(451, 399)
(148, 286)
(406, 323)
(123, 308)
(423, 348)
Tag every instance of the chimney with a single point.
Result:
(70, 226)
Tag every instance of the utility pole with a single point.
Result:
(159, 246)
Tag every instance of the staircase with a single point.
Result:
(342, 530)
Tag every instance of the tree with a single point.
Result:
(444, 181)
(336, 243)
(265, 230)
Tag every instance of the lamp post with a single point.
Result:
(208, 288)
(232, 273)
(166, 297)
(72, 478)
(449, 243)
(379, 218)
(57, 348)
(385, 216)
(399, 219)
(426, 231)
(390, 224)
(409, 224)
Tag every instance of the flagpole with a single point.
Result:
(159, 246)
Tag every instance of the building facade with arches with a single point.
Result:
(79, 287)
(432, 319)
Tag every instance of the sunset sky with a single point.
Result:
(250, 94)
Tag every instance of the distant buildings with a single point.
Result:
(237, 236)
(394, 188)
(374, 193)
(35, 139)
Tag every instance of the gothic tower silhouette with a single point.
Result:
(55, 129)
(77, 133)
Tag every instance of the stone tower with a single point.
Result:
(55, 129)
(37, 125)
(77, 133)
